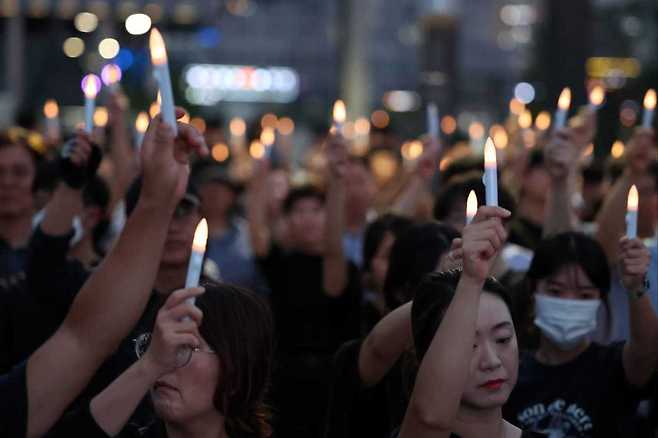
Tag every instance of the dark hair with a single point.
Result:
(551, 255)
(535, 158)
(375, 232)
(594, 173)
(415, 253)
(297, 194)
(97, 194)
(133, 192)
(462, 166)
(433, 296)
(460, 187)
(19, 137)
(237, 324)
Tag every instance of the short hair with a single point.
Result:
(303, 192)
(415, 253)
(462, 166)
(460, 187)
(433, 295)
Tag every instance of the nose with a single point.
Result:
(489, 359)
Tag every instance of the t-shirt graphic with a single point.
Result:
(558, 419)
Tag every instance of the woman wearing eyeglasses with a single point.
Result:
(206, 367)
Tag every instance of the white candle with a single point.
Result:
(90, 87)
(111, 75)
(141, 125)
(267, 138)
(161, 73)
(433, 121)
(563, 104)
(490, 173)
(196, 258)
(596, 97)
(340, 114)
(51, 112)
(471, 206)
(649, 108)
(631, 215)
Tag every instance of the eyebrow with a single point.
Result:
(500, 325)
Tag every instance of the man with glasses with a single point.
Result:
(34, 394)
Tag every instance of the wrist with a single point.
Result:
(148, 370)
(471, 281)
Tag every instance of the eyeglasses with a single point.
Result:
(183, 356)
(185, 207)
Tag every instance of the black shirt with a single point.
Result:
(587, 397)
(13, 403)
(525, 233)
(12, 266)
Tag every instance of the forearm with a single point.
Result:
(65, 204)
(335, 266)
(641, 350)
(385, 344)
(611, 219)
(447, 361)
(124, 158)
(408, 200)
(112, 408)
(259, 233)
(559, 215)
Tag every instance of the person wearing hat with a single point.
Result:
(229, 256)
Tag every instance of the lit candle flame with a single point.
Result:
(157, 47)
(490, 154)
(633, 199)
(340, 113)
(111, 74)
(90, 86)
(101, 117)
(471, 206)
(268, 136)
(525, 120)
(650, 100)
(200, 237)
(51, 109)
(142, 122)
(589, 150)
(597, 95)
(618, 149)
(256, 150)
(564, 102)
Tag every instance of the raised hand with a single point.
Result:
(634, 260)
(561, 154)
(641, 150)
(165, 160)
(482, 239)
(176, 330)
(336, 152)
(79, 160)
(428, 161)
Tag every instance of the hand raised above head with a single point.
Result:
(337, 155)
(482, 240)
(79, 160)
(634, 261)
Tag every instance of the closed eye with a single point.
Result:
(504, 340)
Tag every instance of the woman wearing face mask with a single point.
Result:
(569, 386)
(206, 368)
(465, 340)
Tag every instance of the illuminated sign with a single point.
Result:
(208, 84)
(600, 67)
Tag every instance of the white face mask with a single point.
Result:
(565, 322)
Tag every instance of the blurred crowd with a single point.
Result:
(334, 298)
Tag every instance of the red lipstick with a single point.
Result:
(493, 385)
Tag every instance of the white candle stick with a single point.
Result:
(51, 112)
(340, 114)
(433, 121)
(649, 108)
(161, 73)
(196, 258)
(631, 214)
(90, 87)
(471, 207)
(596, 97)
(563, 104)
(267, 138)
(141, 125)
(490, 173)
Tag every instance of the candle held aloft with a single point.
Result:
(596, 97)
(111, 75)
(141, 125)
(563, 104)
(51, 112)
(340, 114)
(433, 121)
(631, 212)
(196, 258)
(490, 173)
(267, 138)
(649, 108)
(471, 206)
(90, 87)
(161, 73)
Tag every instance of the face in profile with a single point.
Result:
(495, 360)
(188, 393)
(17, 172)
(306, 223)
(180, 235)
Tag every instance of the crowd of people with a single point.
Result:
(335, 301)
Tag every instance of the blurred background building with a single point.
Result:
(245, 58)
